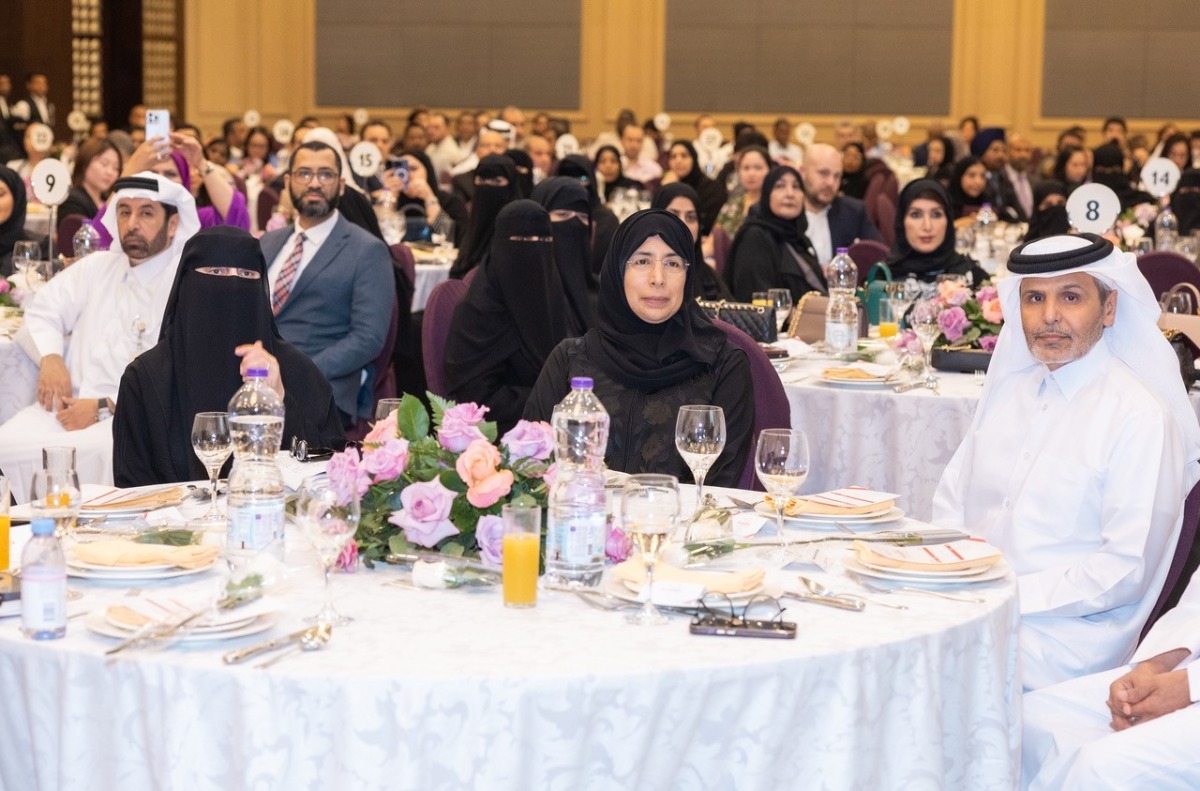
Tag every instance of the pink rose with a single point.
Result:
(617, 545)
(347, 475)
(991, 311)
(386, 461)
(947, 287)
(548, 476)
(347, 559)
(4, 286)
(529, 440)
(988, 342)
(425, 513)
(960, 296)
(460, 427)
(478, 461)
(383, 430)
(953, 322)
(986, 293)
(489, 534)
(906, 342)
(486, 492)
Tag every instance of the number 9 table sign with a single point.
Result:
(1093, 208)
(51, 182)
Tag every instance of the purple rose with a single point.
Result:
(460, 427)
(617, 545)
(986, 293)
(489, 534)
(988, 342)
(425, 513)
(387, 460)
(347, 475)
(529, 440)
(959, 296)
(953, 322)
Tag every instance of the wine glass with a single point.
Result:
(1177, 302)
(700, 438)
(328, 521)
(925, 323)
(649, 508)
(54, 494)
(781, 299)
(781, 462)
(213, 444)
(385, 407)
(903, 294)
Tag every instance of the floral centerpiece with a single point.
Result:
(968, 320)
(440, 483)
(9, 295)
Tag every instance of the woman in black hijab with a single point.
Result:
(1071, 167)
(685, 164)
(448, 204)
(566, 200)
(652, 351)
(604, 221)
(854, 173)
(219, 301)
(1108, 168)
(682, 201)
(495, 187)
(770, 249)
(968, 188)
(924, 245)
(608, 167)
(511, 318)
(1185, 202)
(12, 217)
(524, 164)
(940, 165)
(1049, 210)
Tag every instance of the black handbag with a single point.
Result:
(757, 321)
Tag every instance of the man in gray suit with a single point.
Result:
(331, 282)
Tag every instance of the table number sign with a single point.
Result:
(566, 145)
(1161, 176)
(1093, 208)
(662, 122)
(251, 118)
(805, 133)
(365, 159)
(42, 138)
(283, 131)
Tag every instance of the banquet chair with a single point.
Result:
(384, 384)
(1164, 269)
(406, 356)
(435, 330)
(1184, 562)
(722, 244)
(404, 259)
(64, 239)
(268, 200)
(866, 253)
(771, 408)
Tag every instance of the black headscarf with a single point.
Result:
(711, 285)
(621, 181)
(1051, 221)
(604, 222)
(943, 172)
(572, 249)
(855, 184)
(1185, 202)
(712, 193)
(962, 204)
(905, 261)
(638, 354)
(12, 230)
(577, 166)
(524, 164)
(1060, 167)
(1108, 168)
(485, 207)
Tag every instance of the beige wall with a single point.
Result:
(258, 54)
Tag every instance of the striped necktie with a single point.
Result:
(287, 276)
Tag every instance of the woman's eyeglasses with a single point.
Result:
(643, 264)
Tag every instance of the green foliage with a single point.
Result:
(412, 419)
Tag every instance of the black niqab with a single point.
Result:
(1185, 202)
(485, 207)
(572, 249)
(524, 164)
(1051, 221)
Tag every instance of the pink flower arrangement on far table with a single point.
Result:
(968, 320)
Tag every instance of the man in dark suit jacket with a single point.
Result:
(10, 148)
(833, 220)
(331, 282)
(35, 107)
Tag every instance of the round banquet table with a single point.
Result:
(451, 690)
(428, 276)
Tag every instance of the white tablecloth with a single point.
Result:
(18, 379)
(449, 689)
(428, 276)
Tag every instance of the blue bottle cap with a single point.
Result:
(256, 373)
(581, 381)
(42, 527)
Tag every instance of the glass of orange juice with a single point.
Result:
(521, 549)
(4, 523)
(889, 322)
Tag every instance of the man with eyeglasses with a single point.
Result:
(331, 282)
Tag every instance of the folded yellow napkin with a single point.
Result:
(147, 500)
(120, 552)
(848, 373)
(127, 617)
(803, 505)
(971, 553)
(633, 570)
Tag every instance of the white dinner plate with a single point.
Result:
(125, 574)
(827, 520)
(79, 564)
(225, 623)
(998, 571)
(97, 622)
(861, 383)
(621, 590)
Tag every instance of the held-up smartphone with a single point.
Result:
(401, 172)
(158, 124)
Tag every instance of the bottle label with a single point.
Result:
(838, 336)
(254, 525)
(43, 598)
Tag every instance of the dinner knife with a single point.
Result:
(242, 654)
(829, 601)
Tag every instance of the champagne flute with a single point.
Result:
(781, 462)
(781, 298)
(213, 444)
(54, 494)
(925, 323)
(649, 508)
(328, 522)
(700, 438)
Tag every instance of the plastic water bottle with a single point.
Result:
(576, 511)
(43, 584)
(842, 273)
(255, 507)
(841, 316)
(86, 240)
(1166, 229)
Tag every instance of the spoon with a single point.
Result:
(824, 590)
(313, 639)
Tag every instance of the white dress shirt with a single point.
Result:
(1078, 476)
(1022, 188)
(643, 170)
(314, 237)
(819, 234)
(444, 156)
(790, 152)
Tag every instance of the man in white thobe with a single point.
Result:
(1081, 453)
(86, 324)
(1133, 727)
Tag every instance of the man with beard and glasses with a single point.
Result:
(90, 321)
(331, 282)
(1083, 447)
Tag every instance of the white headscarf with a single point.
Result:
(167, 192)
(325, 135)
(1134, 338)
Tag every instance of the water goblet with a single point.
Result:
(213, 443)
(385, 407)
(781, 299)
(781, 461)
(925, 323)
(649, 508)
(700, 438)
(328, 520)
(54, 494)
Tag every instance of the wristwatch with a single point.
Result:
(103, 412)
